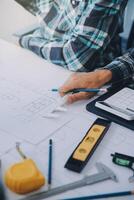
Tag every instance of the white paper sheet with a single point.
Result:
(25, 112)
(25, 97)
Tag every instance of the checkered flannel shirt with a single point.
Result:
(122, 68)
(80, 35)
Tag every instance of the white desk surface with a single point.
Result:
(37, 72)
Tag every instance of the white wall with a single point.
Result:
(13, 17)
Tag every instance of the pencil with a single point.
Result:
(50, 164)
(76, 90)
(101, 196)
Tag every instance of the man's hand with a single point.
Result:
(85, 80)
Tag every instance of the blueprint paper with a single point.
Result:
(25, 97)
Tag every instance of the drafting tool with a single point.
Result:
(104, 174)
(102, 196)
(24, 177)
(87, 146)
(124, 161)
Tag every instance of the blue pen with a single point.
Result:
(50, 164)
(76, 90)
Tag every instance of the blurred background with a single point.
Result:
(13, 17)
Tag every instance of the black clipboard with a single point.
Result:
(91, 108)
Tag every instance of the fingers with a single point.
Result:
(72, 83)
(65, 88)
(79, 96)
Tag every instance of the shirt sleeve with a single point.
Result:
(122, 68)
(88, 39)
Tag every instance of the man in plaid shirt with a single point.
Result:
(80, 35)
(118, 72)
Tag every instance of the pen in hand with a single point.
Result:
(76, 90)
